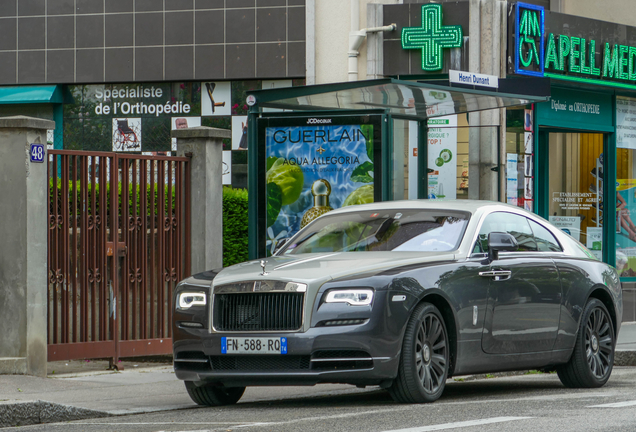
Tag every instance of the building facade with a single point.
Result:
(119, 75)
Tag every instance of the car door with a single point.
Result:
(524, 294)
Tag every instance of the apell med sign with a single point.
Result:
(571, 48)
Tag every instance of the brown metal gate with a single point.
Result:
(118, 244)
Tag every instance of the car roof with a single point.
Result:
(471, 206)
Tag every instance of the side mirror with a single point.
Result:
(282, 242)
(500, 241)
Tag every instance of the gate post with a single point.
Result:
(204, 145)
(23, 259)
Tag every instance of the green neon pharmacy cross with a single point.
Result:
(432, 37)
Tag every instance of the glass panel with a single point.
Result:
(513, 224)
(545, 240)
(399, 99)
(448, 157)
(404, 159)
(576, 187)
(520, 158)
(625, 205)
(403, 230)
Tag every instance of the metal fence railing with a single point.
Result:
(118, 244)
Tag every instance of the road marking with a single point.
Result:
(463, 424)
(614, 405)
(200, 430)
(172, 423)
(393, 409)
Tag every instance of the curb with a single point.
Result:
(67, 375)
(624, 358)
(23, 413)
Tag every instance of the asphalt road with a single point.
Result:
(533, 402)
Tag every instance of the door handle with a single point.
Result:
(497, 274)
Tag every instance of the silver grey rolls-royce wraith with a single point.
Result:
(403, 295)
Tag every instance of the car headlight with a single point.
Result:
(188, 299)
(355, 297)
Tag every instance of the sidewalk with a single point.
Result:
(79, 389)
(626, 345)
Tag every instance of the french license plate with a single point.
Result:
(239, 345)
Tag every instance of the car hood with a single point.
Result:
(316, 269)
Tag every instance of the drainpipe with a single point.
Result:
(356, 37)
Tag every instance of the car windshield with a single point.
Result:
(386, 230)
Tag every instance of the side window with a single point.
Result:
(545, 239)
(511, 223)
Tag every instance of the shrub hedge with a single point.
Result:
(234, 213)
(94, 193)
(234, 226)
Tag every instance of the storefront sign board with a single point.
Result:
(579, 109)
(568, 47)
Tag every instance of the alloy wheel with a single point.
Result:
(598, 342)
(430, 353)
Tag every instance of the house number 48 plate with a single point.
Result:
(37, 153)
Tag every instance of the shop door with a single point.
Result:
(576, 186)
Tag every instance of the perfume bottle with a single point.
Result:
(321, 189)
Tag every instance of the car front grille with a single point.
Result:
(260, 363)
(268, 311)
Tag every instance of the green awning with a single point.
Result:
(32, 94)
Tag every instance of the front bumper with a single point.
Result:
(365, 354)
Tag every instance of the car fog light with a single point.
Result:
(332, 323)
(189, 299)
(190, 324)
(354, 297)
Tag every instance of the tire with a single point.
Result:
(593, 356)
(424, 361)
(213, 395)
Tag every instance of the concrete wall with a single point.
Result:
(23, 258)
(614, 11)
(204, 145)
(333, 18)
(93, 41)
(331, 39)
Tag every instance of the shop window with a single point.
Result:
(625, 212)
(520, 158)
(576, 187)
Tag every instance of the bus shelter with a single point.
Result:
(315, 148)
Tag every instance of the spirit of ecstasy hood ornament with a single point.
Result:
(263, 267)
